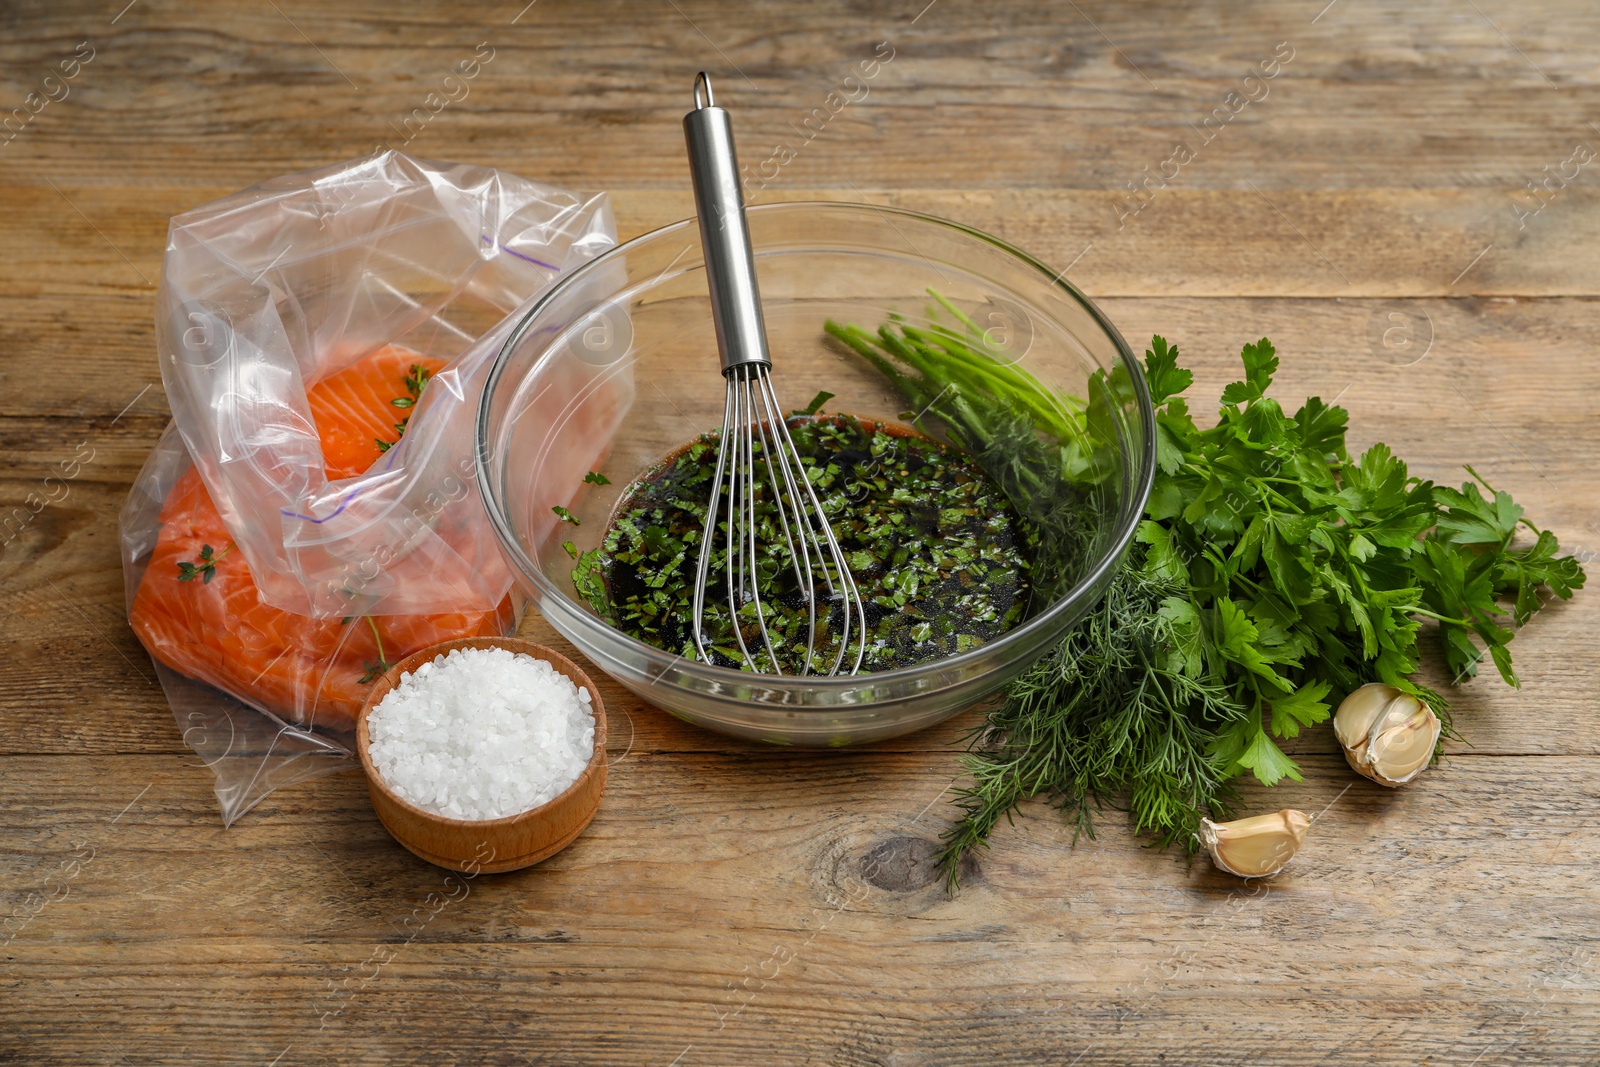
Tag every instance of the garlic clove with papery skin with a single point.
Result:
(1352, 723)
(1402, 741)
(1256, 847)
(1387, 735)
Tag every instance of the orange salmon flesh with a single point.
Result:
(305, 670)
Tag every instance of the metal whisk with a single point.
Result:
(756, 457)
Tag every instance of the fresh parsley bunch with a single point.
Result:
(1308, 571)
(1273, 574)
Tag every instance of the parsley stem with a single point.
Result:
(1417, 609)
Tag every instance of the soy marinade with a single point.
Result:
(940, 557)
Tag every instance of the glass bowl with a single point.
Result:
(617, 366)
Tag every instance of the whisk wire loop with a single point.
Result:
(769, 428)
(749, 534)
(817, 537)
(703, 563)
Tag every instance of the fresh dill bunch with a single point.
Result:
(1114, 713)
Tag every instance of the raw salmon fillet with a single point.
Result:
(308, 671)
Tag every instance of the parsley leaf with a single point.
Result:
(1161, 371)
(1260, 364)
(817, 401)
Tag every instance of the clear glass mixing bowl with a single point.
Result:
(617, 365)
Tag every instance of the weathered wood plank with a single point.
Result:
(1108, 944)
(81, 285)
(976, 96)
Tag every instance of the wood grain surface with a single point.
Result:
(738, 904)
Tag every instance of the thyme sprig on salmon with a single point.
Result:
(416, 380)
(204, 566)
(375, 670)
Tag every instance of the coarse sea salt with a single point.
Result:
(481, 734)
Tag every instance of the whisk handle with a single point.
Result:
(724, 235)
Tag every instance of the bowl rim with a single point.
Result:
(391, 678)
(1109, 559)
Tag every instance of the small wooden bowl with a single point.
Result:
(488, 845)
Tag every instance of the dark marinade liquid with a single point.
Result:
(939, 555)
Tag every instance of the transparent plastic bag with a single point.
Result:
(312, 514)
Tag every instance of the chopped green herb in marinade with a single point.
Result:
(940, 557)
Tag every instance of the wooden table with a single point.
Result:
(1358, 204)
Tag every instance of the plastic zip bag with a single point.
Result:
(312, 514)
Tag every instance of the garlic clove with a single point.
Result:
(1258, 846)
(1352, 723)
(1401, 742)
(1387, 736)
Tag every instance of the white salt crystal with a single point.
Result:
(481, 734)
